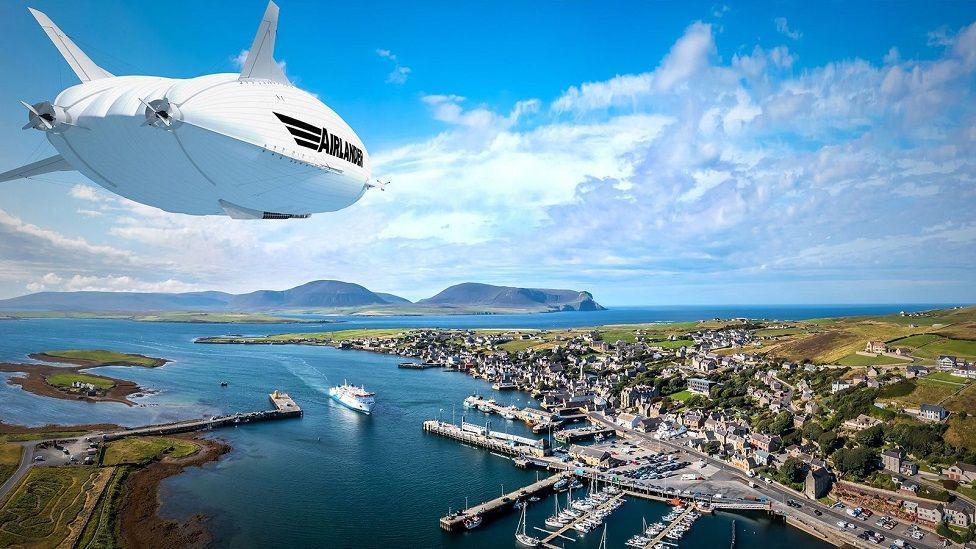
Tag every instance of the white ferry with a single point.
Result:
(352, 397)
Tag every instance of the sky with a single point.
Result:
(648, 152)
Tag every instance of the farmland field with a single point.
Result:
(40, 511)
(144, 449)
(862, 360)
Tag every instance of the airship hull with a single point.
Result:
(227, 145)
(248, 145)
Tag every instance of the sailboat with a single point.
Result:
(522, 537)
(603, 539)
(555, 521)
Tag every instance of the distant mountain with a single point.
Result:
(319, 294)
(322, 294)
(394, 299)
(472, 294)
(117, 301)
(316, 295)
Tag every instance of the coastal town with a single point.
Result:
(880, 431)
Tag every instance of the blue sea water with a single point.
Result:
(336, 478)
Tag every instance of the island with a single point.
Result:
(75, 382)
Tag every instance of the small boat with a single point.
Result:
(472, 522)
(521, 536)
(223, 383)
(560, 484)
(534, 499)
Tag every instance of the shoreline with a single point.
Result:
(140, 524)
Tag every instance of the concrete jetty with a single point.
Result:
(285, 407)
(511, 445)
(455, 522)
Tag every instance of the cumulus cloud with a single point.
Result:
(399, 73)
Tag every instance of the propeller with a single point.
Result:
(37, 118)
(160, 112)
(378, 184)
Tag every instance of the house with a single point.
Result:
(839, 385)
(630, 421)
(589, 455)
(876, 347)
(766, 443)
(914, 370)
(932, 412)
(929, 511)
(700, 386)
(961, 472)
(947, 362)
(957, 514)
(817, 483)
(892, 459)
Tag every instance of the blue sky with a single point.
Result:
(648, 152)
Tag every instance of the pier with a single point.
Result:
(667, 529)
(547, 541)
(581, 433)
(537, 420)
(285, 408)
(509, 445)
(455, 522)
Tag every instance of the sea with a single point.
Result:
(335, 477)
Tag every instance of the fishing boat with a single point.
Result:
(521, 536)
(472, 522)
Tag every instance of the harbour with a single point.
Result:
(301, 463)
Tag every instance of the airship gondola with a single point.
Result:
(249, 145)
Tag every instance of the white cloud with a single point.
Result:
(783, 27)
(399, 73)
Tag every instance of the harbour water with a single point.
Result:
(335, 477)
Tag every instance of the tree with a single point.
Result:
(872, 436)
(828, 442)
(858, 462)
(794, 470)
(782, 423)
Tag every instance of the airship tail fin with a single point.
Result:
(84, 67)
(55, 163)
(260, 63)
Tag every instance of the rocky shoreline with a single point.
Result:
(140, 523)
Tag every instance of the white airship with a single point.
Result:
(248, 145)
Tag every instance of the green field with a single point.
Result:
(9, 459)
(668, 344)
(682, 396)
(21, 437)
(946, 377)
(862, 360)
(963, 401)
(925, 392)
(519, 345)
(945, 346)
(138, 450)
(914, 341)
(102, 529)
(64, 381)
(100, 356)
(39, 511)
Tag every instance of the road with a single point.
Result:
(780, 494)
(26, 460)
